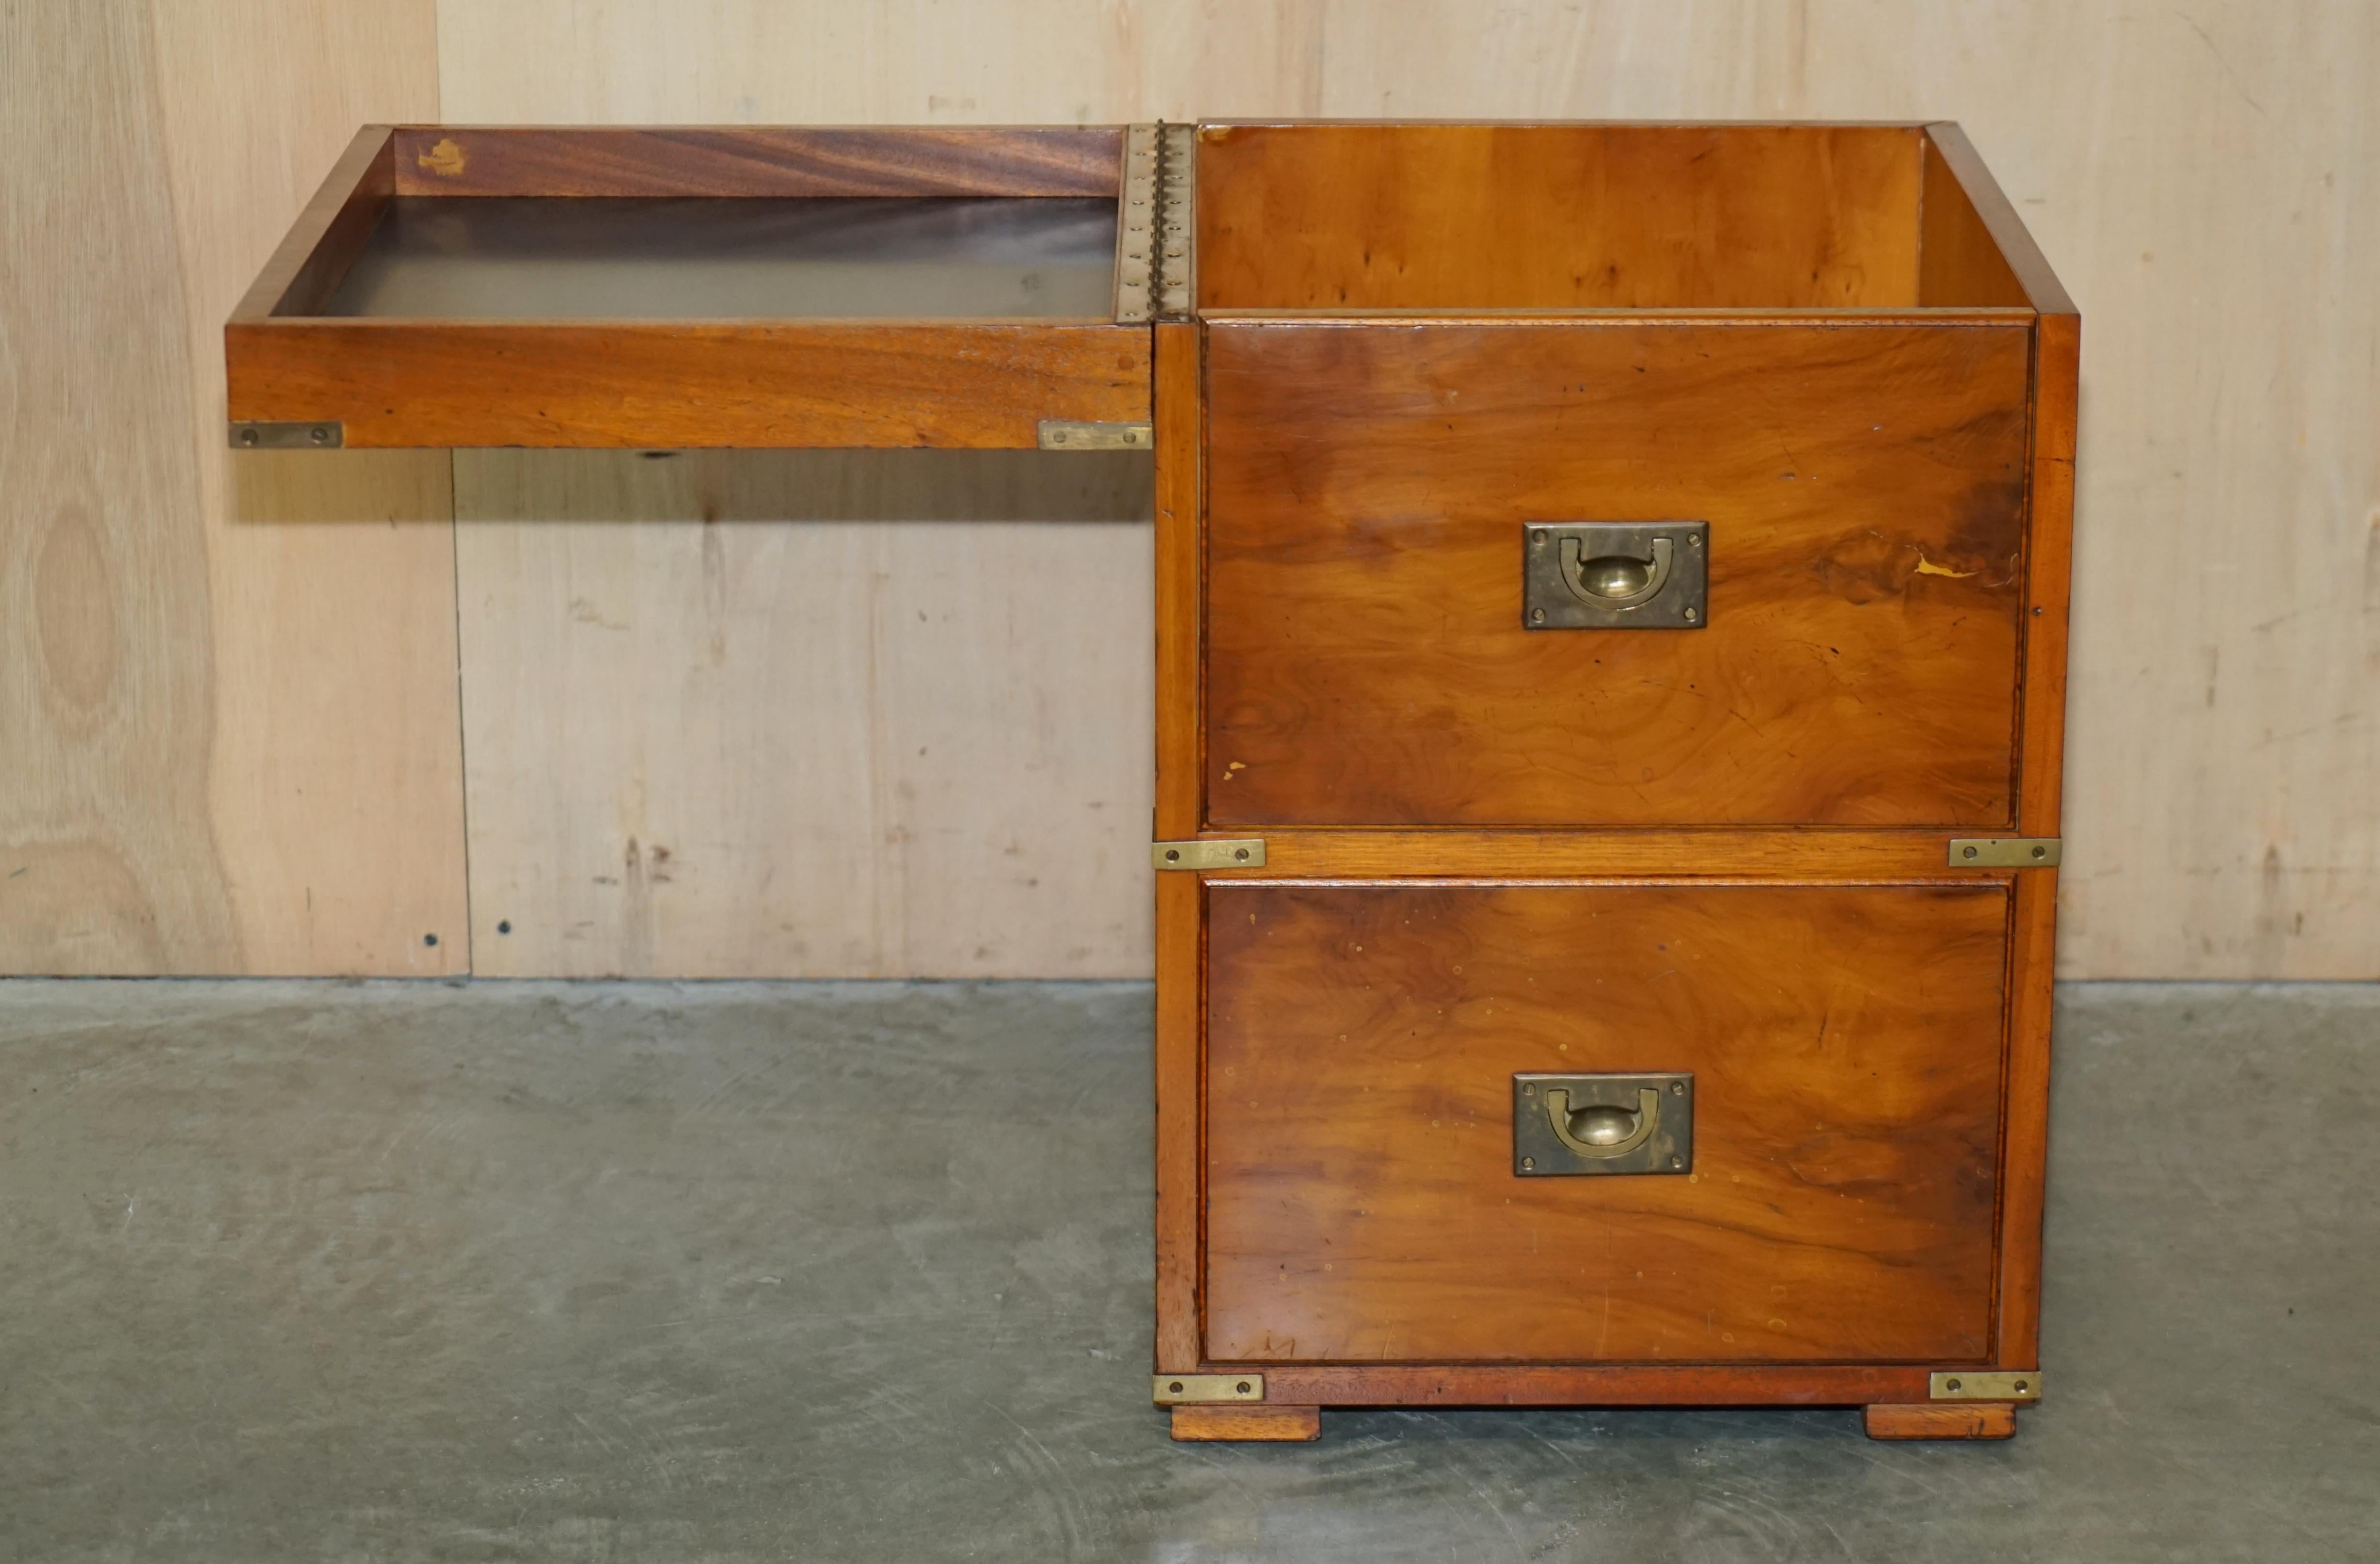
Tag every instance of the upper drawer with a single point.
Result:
(1370, 480)
(689, 288)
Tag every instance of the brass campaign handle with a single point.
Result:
(1598, 1129)
(1614, 581)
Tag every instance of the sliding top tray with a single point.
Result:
(681, 289)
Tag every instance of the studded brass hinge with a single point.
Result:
(1181, 1389)
(2004, 852)
(1069, 434)
(328, 435)
(1987, 1384)
(1245, 853)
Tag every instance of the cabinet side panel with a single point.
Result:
(1181, 903)
(2048, 572)
(1958, 262)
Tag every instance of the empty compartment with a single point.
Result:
(1448, 217)
(607, 287)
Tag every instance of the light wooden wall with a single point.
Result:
(227, 689)
(923, 747)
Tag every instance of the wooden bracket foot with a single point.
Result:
(1961, 1420)
(1248, 1420)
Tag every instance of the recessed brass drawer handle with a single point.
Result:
(1615, 574)
(1614, 581)
(1570, 1127)
(1600, 1130)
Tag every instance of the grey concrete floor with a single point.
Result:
(630, 1272)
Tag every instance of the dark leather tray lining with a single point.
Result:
(691, 259)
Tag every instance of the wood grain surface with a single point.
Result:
(673, 385)
(1266, 1422)
(1970, 1420)
(1485, 216)
(1589, 1385)
(1181, 900)
(1367, 660)
(226, 681)
(853, 711)
(1361, 1203)
(1960, 259)
(459, 160)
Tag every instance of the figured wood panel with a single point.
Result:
(806, 713)
(683, 384)
(1361, 1202)
(1367, 663)
(759, 161)
(1480, 216)
(230, 717)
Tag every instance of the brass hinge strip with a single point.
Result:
(2004, 852)
(328, 435)
(1136, 229)
(1246, 853)
(1177, 163)
(1074, 434)
(1186, 1390)
(1986, 1385)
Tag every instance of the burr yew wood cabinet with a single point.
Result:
(1611, 602)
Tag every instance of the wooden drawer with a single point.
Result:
(1368, 658)
(1362, 1202)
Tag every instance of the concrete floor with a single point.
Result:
(646, 1272)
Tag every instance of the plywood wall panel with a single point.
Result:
(230, 723)
(806, 713)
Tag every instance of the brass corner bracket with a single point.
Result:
(1986, 1385)
(2005, 852)
(1189, 1389)
(253, 435)
(1247, 853)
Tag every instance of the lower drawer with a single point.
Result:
(1363, 1198)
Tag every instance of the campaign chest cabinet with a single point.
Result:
(1611, 601)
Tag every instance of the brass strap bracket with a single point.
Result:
(1072, 434)
(1188, 1390)
(1246, 853)
(328, 435)
(1986, 1385)
(2004, 852)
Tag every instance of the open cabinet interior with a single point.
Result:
(1459, 217)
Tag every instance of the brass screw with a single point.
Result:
(1173, 855)
(248, 437)
(1528, 1091)
(2041, 852)
(1677, 1162)
(1242, 854)
(1969, 853)
(1690, 616)
(1174, 1389)
(1537, 616)
(1528, 1164)
(319, 436)
(2021, 1384)
(1243, 1386)
(1949, 1384)
(1677, 1089)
